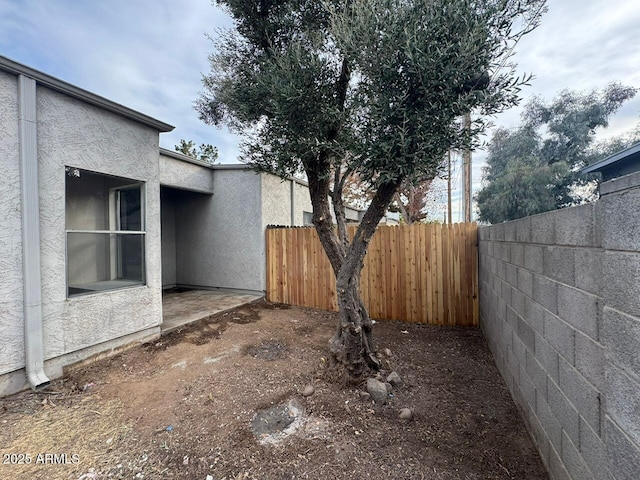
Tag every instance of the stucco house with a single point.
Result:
(95, 219)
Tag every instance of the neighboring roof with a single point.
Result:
(16, 68)
(622, 163)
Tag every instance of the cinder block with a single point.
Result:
(623, 401)
(588, 268)
(623, 454)
(621, 337)
(533, 259)
(502, 270)
(618, 233)
(548, 357)
(512, 318)
(545, 292)
(561, 336)
(519, 350)
(537, 374)
(542, 228)
(575, 226)
(506, 292)
(517, 254)
(556, 467)
(549, 421)
(581, 393)
(517, 302)
(621, 285)
(593, 451)
(501, 309)
(525, 282)
(523, 230)
(559, 264)
(527, 388)
(505, 252)
(512, 275)
(526, 334)
(510, 232)
(590, 360)
(579, 309)
(534, 315)
(564, 411)
(540, 439)
(572, 459)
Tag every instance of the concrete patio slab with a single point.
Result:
(181, 306)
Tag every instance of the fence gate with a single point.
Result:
(424, 273)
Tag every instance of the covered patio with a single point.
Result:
(181, 306)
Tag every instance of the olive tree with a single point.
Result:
(368, 87)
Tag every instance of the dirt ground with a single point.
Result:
(185, 407)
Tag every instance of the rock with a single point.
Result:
(387, 352)
(366, 396)
(308, 391)
(394, 379)
(389, 387)
(378, 391)
(406, 414)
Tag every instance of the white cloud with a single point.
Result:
(150, 54)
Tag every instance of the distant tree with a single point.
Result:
(373, 87)
(534, 168)
(410, 201)
(206, 153)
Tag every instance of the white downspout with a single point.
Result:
(33, 344)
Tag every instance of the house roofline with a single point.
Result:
(616, 157)
(184, 158)
(16, 68)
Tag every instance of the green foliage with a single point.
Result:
(374, 87)
(535, 168)
(206, 153)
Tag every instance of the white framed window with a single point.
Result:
(105, 232)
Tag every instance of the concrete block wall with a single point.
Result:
(560, 306)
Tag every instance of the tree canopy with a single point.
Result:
(205, 152)
(535, 167)
(368, 87)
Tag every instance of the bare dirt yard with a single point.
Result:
(223, 399)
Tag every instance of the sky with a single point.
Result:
(150, 56)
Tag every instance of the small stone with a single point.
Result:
(387, 352)
(308, 391)
(366, 396)
(394, 379)
(378, 391)
(389, 387)
(406, 414)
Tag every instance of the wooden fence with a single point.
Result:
(416, 273)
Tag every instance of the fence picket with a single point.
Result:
(416, 273)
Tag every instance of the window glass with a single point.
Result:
(105, 232)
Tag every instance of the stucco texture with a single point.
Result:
(219, 239)
(11, 294)
(276, 201)
(184, 175)
(73, 133)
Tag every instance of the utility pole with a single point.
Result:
(466, 171)
(449, 189)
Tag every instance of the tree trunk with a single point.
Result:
(352, 345)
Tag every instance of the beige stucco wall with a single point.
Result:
(11, 325)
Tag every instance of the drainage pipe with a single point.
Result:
(32, 281)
